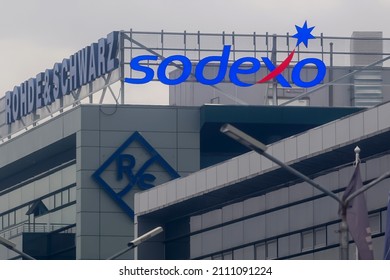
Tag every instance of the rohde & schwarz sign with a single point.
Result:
(80, 69)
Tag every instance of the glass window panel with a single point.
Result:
(217, 257)
(295, 243)
(283, 246)
(332, 234)
(260, 251)
(72, 194)
(238, 254)
(249, 253)
(320, 237)
(46, 201)
(375, 223)
(11, 218)
(5, 221)
(18, 216)
(384, 220)
(272, 249)
(307, 240)
(57, 200)
(228, 256)
(65, 196)
(1, 222)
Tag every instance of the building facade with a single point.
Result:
(250, 208)
(83, 172)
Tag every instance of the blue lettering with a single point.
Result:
(57, 90)
(74, 81)
(93, 64)
(8, 103)
(222, 61)
(223, 64)
(186, 70)
(15, 104)
(123, 168)
(39, 88)
(272, 67)
(23, 99)
(83, 63)
(101, 58)
(48, 91)
(145, 181)
(112, 59)
(321, 71)
(136, 65)
(235, 70)
(65, 87)
(31, 95)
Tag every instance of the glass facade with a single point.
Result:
(293, 222)
(55, 190)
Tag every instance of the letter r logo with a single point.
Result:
(131, 171)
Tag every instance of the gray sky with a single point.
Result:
(37, 33)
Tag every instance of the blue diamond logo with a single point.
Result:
(131, 171)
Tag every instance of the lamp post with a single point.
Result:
(132, 244)
(12, 246)
(260, 148)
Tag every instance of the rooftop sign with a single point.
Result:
(79, 69)
(303, 35)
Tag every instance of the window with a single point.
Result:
(12, 218)
(5, 221)
(72, 194)
(65, 196)
(320, 237)
(228, 256)
(57, 200)
(272, 250)
(260, 251)
(375, 223)
(307, 240)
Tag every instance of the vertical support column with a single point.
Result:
(122, 65)
(274, 61)
(331, 102)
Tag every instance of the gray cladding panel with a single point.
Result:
(172, 132)
(140, 119)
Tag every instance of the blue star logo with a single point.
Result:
(303, 34)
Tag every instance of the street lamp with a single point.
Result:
(260, 148)
(132, 244)
(12, 246)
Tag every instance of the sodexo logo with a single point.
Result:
(131, 170)
(303, 35)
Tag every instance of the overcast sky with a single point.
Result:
(37, 33)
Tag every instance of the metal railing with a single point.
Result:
(26, 227)
(334, 51)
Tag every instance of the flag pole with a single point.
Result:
(343, 234)
(343, 227)
(386, 253)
